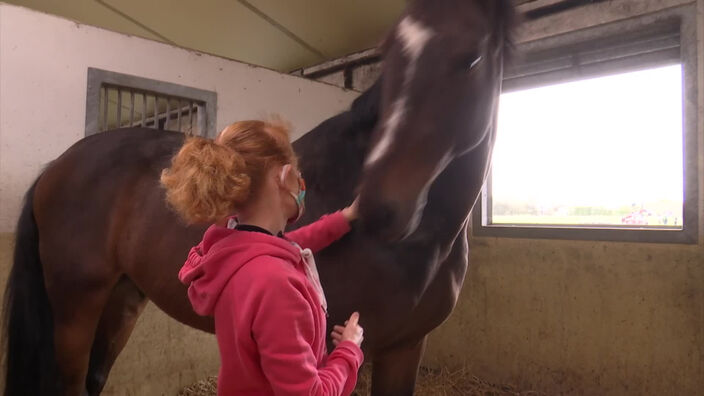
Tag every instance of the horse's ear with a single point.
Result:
(386, 43)
(366, 107)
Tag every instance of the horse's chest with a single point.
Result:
(415, 274)
(426, 308)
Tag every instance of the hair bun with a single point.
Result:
(206, 181)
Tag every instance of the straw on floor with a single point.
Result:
(430, 383)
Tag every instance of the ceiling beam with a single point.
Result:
(136, 22)
(283, 29)
(556, 8)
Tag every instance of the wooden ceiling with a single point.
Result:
(279, 34)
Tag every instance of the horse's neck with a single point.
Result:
(332, 158)
(443, 225)
(332, 154)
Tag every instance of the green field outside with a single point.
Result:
(578, 220)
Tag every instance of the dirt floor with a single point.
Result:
(430, 383)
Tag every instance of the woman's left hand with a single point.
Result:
(350, 212)
(351, 331)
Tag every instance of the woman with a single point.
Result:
(261, 286)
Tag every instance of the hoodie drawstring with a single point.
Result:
(312, 274)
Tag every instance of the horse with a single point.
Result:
(96, 241)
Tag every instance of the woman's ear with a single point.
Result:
(283, 174)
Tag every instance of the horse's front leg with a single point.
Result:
(116, 324)
(394, 371)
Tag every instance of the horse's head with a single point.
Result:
(441, 80)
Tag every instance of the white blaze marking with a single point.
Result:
(414, 36)
(399, 110)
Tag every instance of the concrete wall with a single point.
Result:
(577, 317)
(43, 71)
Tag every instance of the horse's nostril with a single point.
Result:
(385, 214)
(379, 217)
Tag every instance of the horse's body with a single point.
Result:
(402, 290)
(95, 239)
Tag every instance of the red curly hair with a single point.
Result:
(210, 179)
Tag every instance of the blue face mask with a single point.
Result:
(298, 198)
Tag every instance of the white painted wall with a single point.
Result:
(43, 72)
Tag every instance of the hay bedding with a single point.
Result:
(430, 383)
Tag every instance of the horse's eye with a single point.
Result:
(468, 62)
(474, 63)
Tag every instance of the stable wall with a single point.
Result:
(43, 76)
(574, 317)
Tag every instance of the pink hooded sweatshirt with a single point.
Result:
(269, 310)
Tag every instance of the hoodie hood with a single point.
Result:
(223, 252)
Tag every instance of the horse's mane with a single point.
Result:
(331, 155)
(343, 137)
(365, 108)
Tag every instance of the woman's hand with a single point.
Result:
(350, 212)
(351, 332)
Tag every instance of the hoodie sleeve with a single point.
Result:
(284, 330)
(320, 234)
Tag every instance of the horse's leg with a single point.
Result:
(76, 308)
(116, 324)
(394, 371)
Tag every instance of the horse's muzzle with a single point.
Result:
(386, 221)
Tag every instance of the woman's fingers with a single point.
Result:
(353, 320)
(352, 331)
(351, 212)
(349, 323)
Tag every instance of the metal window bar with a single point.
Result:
(168, 113)
(105, 108)
(119, 108)
(156, 112)
(144, 113)
(131, 108)
(179, 115)
(190, 118)
(122, 107)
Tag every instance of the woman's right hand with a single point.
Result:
(351, 212)
(352, 331)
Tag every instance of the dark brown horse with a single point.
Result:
(95, 239)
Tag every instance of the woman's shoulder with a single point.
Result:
(269, 278)
(269, 268)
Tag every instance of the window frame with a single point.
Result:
(206, 100)
(544, 55)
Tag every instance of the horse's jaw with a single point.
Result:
(391, 218)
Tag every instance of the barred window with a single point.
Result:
(118, 100)
(595, 138)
